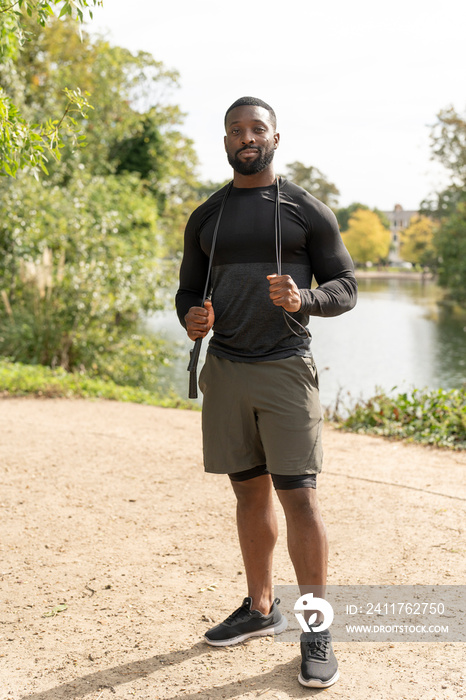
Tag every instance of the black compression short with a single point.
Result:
(284, 482)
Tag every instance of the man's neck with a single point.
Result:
(262, 179)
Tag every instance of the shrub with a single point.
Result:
(80, 267)
(429, 417)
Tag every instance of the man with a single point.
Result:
(261, 412)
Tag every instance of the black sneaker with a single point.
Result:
(245, 623)
(319, 667)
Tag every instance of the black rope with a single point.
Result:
(278, 253)
(194, 353)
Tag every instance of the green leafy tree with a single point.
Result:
(128, 93)
(366, 238)
(449, 144)
(314, 181)
(417, 242)
(25, 143)
(131, 128)
(144, 152)
(450, 242)
(449, 206)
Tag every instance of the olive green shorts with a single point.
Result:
(258, 413)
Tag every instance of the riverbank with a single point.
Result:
(395, 275)
(118, 552)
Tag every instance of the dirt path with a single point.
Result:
(105, 509)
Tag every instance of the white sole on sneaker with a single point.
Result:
(316, 683)
(274, 629)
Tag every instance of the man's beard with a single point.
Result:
(251, 167)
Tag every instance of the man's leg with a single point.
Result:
(307, 537)
(307, 545)
(257, 531)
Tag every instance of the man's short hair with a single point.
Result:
(255, 102)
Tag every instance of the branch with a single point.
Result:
(7, 9)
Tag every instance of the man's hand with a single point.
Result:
(199, 320)
(284, 292)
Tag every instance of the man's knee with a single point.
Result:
(253, 491)
(299, 501)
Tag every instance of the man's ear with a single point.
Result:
(276, 140)
(225, 142)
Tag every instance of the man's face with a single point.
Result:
(251, 140)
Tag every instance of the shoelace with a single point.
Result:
(317, 647)
(242, 611)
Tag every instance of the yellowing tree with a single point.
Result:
(417, 241)
(367, 239)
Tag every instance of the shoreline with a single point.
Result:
(395, 274)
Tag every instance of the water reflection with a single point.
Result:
(450, 356)
(395, 337)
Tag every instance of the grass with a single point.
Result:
(428, 417)
(18, 379)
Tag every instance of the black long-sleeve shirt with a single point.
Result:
(248, 326)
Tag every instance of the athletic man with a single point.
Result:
(261, 412)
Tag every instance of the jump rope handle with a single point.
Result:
(192, 368)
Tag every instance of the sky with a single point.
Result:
(355, 85)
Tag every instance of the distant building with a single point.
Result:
(399, 219)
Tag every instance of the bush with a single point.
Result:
(429, 417)
(80, 267)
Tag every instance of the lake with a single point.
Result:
(396, 336)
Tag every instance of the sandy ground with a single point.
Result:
(106, 510)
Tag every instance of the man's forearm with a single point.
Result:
(331, 298)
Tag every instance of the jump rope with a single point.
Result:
(194, 353)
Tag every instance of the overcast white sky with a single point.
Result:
(355, 85)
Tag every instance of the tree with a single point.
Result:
(127, 92)
(448, 144)
(449, 206)
(417, 242)
(24, 143)
(344, 214)
(314, 181)
(450, 242)
(367, 239)
(131, 127)
(144, 152)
